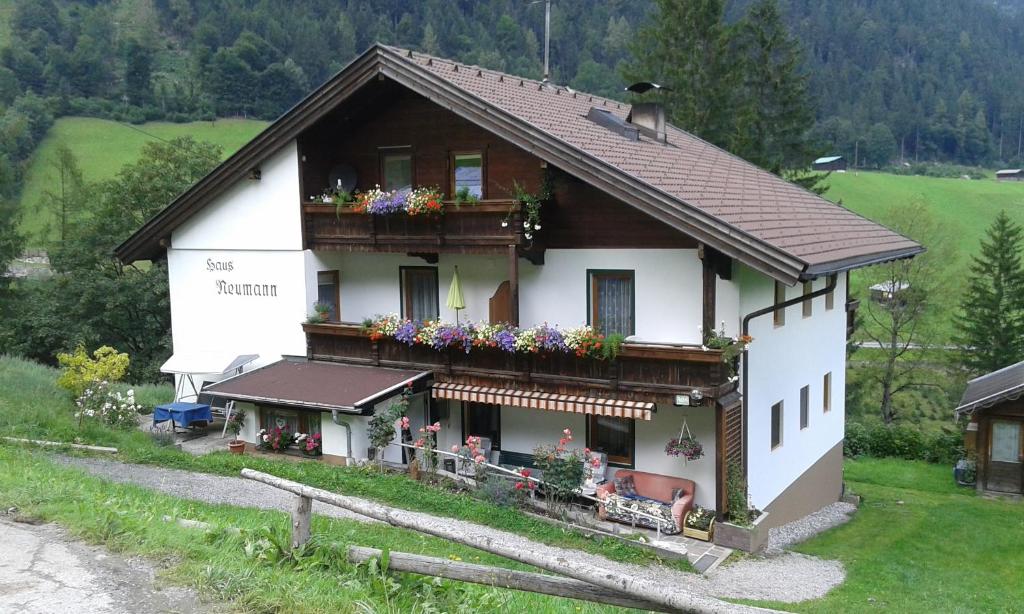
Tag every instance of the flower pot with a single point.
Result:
(697, 533)
(236, 446)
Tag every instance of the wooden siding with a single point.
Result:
(998, 477)
(639, 373)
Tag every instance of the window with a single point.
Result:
(808, 303)
(327, 292)
(468, 173)
(612, 305)
(396, 171)
(780, 297)
(482, 420)
(805, 406)
(826, 392)
(830, 298)
(296, 421)
(419, 293)
(613, 436)
(776, 425)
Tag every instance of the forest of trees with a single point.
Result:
(901, 80)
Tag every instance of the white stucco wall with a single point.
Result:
(782, 360)
(668, 287)
(258, 215)
(237, 270)
(652, 435)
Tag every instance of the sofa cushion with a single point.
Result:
(620, 508)
(625, 486)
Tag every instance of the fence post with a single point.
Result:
(302, 515)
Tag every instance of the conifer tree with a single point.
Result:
(775, 113)
(991, 319)
(685, 46)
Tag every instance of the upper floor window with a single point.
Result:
(780, 297)
(468, 174)
(396, 170)
(612, 302)
(419, 293)
(826, 385)
(327, 292)
(808, 303)
(776, 425)
(805, 407)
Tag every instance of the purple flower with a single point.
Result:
(406, 333)
(505, 339)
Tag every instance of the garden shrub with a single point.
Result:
(902, 441)
(79, 371)
(498, 491)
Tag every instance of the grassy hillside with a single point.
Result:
(963, 208)
(103, 147)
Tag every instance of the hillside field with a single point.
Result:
(102, 147)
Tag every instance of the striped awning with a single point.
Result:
(636, 410)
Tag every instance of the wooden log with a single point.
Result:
(302, 515)
(485, 539)
(503, 578)
(56, 444)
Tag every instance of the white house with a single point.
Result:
(590, 212)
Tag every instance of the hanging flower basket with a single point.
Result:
(686, 445)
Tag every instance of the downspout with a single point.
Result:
(830, 285)
(348, 434)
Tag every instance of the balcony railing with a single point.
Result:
(640, 372)
(489, 226)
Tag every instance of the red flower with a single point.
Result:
(519, 486)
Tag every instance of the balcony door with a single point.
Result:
(1006, 457)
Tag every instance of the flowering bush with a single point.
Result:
(564, 469)
(113, 409)
(686, 446)
(277, 439)
(236, 423)
(421, 201)
(428, 443)
(583, 341)
(311, 444)
(381, 428)
(79, 371)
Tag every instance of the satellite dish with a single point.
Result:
(345, 175)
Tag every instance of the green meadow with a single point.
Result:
(102, 147)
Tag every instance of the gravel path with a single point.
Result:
(788, 578)
(781, 538)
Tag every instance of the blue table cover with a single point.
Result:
(183, 414)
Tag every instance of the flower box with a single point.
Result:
(746, 538)
(689, 531)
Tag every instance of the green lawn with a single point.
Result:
(919, 543)
(102, 147)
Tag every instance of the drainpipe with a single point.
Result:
(348, 433)
(830, 285)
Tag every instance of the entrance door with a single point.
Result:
(1005, 456)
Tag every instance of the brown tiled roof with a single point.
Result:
(697, 173)
(316, 385)
(687, 183)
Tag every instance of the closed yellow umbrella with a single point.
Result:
(455, 298)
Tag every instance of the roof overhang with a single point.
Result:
(848, 264)
(319, 386)
(150, 241)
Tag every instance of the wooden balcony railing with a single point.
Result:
(640, 372)
(487, 227)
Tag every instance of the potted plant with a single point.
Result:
(685, 445)
(699, 523)
(323, 311)
(235, 424)
(311, 445)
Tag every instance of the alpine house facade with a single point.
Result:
(572, 211)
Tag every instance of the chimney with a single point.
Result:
(649, 117)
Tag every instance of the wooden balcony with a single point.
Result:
(488, 227)
(640, 372)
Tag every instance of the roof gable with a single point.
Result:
(689, 184)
